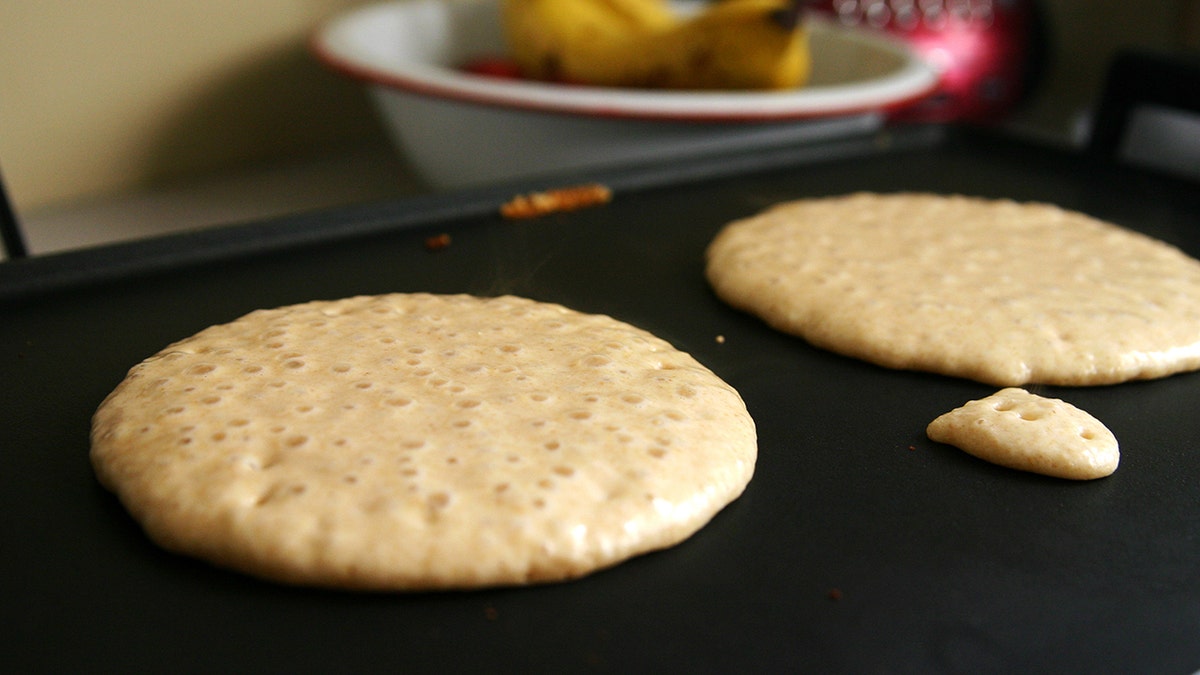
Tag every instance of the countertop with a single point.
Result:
(253, 193)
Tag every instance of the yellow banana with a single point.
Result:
(645, 14)
(737, 44)
(586, 41)
(733, 44)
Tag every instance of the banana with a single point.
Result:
(732, 44)
(646, 14)
(737, 44)
(586, 41)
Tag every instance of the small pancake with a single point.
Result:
(415, 441)
(1002, 292)
(1027, 432)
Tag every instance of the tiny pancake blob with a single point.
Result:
(419, 442)
(1024, 431)
(1002, 292)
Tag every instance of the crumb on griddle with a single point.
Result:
(572, 198)
(437, 242)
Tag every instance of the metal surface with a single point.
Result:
(858, 547)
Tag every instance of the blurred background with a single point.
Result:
(128, 117)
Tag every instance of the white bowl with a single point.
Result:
(458, 129)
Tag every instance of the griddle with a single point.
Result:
(860, 546)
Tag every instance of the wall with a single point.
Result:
(104, 97)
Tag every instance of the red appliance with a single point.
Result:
(989, 51)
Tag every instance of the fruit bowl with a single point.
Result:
(460, 129)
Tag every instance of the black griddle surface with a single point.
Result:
(859, 546)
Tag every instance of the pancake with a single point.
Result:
(417, 441)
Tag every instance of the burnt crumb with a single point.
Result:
(437, 242)
(562, 199)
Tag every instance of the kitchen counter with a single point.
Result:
(361, 175)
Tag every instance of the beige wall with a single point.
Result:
(118, 95)
(98, 97)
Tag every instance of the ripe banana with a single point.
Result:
(738, 44)
(733, 44)
(585, 41)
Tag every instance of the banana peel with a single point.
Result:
(733, 44)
